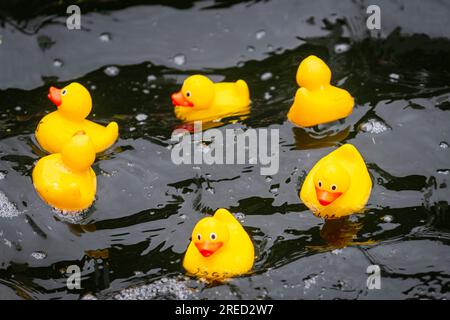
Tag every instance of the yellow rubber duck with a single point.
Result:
(202, 99)
(66, 180)
(220, 248)
(317, 101)
(338, 185)
(74, 104)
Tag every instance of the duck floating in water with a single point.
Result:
(74, 104)
(220, 248)
(66, 180)
(317, 101)
(338, 185)
(202, 99)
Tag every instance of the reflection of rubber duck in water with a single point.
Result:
(307, 138)
(202, 99)
(220, 248)
(74, 104)
(341, 233)
(317, 101)
(66, 180)
(338, 184)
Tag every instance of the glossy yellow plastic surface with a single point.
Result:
(317, 101)
(66, 180)
(338, 185)
(74, 105)
(202, 99)
(220, 248)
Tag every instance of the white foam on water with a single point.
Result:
(166, 288)
(7, 208)
(374, 126)
(39, 255)
(70, 216)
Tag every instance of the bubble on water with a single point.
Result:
(266, 76)
(141, 117)
(145, 91)
(260, 34)
(105, 37)
(2, 175)
(93, 87)
(394, 77)
(74, 217)
(131, 129)
(373, 126)
(267, 96)
(310, 281)
(57, 63)
(39, 255)
(7, 208)
(239, 216)
(250, 48)
(341, 47)
(443, 145)
(443, 171)
(387, 218)
(18, 108)
(151, 77)
(179, 59)
(112, 71)
(165, 288)
(274, 188)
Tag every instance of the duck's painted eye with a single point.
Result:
(188, 94)
(64, 92)
(199, 237)
(320, 184)
(213, 236)
(333, 187)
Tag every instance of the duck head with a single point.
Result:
(209, 235)
(79, 153)
(331, 181)
(73, 101)
(197, 92)
(313, 73)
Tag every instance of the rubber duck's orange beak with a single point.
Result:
(325, 197)
(54, 94)
(178, 100)
(208, 248)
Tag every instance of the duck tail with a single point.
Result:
(242, 89)
(111, 134)
(225, 216)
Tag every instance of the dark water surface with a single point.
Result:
(137, 231)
